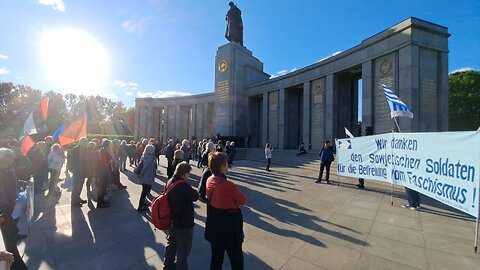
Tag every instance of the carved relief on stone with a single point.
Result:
(223, 66)
(318, 90)
(273, 101)
(385, 68)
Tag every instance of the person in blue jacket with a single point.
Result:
(326, 158)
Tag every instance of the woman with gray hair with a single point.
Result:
(146, 175)
(56, 158)
(209, 148)
(186, 150)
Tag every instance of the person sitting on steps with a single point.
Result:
(301, 149)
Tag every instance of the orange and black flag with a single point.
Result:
(36, 121)
(27, 143)
(74, 131)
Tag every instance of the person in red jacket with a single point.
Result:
(224, 225)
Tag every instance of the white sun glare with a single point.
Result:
(74, 60)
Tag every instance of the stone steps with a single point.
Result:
(308, 161)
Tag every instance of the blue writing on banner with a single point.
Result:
(440, 165)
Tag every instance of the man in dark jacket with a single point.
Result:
(326, 158)
(38, 157)
(202, 186)
(8, 196)
(79, 167)
(179, 239)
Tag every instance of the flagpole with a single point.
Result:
(476, 225)
(394, 118)
(391, 193)
(338, 176)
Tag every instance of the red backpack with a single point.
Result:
(160, 209)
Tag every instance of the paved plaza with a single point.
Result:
(290, 223)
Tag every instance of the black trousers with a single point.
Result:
(361, 182)
(145, 191)
(170, 169)
(413, 197)
(323, 166)
(54, 174)
(235, 255)
(268, 163)
(9, 234)
(102, 187)
(39, 178)
(179, 245)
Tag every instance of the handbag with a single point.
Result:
(139, 168)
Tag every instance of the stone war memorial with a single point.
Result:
(316, 102)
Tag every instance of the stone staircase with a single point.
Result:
(308, 161)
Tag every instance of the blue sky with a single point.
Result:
(167, 47)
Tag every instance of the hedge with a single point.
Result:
(111, 137)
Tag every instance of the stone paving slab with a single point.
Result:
(290, 223)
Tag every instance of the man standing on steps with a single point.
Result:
(326, 158)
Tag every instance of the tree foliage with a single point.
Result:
(105, 116)
(464, 100)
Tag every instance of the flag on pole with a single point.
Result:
(27, 143)
(36, 120)
(74, 131)
(349, 134)
(396, 106)
(58, 132)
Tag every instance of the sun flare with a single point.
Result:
(74, 60)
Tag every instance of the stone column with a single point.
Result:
(191, 122)
(137, 122)
(443, 92)
(282, 126)
(156, 122)
(178, 113)
(408, 87)
(264, 116)
(205, 120)
(330, 107)
(149, 132)
(367, 95)
(306, 114)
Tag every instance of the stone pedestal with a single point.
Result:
(235, 69)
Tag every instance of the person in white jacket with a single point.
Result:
(268, 155)
(56, 158)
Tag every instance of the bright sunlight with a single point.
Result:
(74, 60)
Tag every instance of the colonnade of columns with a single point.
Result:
(177, 121)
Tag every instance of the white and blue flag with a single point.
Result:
(397, 107)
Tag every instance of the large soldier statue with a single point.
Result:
(234, 32)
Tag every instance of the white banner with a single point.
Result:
(440, 165)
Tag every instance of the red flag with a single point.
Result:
(74, 131)
(44, 107)
(27, 143)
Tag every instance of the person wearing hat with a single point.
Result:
(326, 158)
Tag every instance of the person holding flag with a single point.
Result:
(399, 109)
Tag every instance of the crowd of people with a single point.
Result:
(97, 165)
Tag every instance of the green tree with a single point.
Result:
(105, 116)
(464, 100)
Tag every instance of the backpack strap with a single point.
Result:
(171, 187)
(215, 187)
